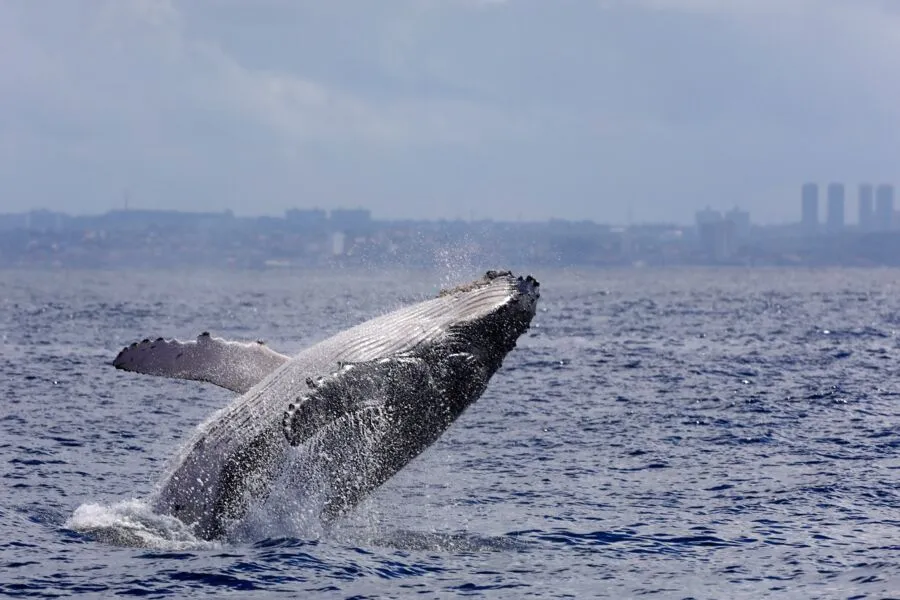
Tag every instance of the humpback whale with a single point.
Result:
(363, 403)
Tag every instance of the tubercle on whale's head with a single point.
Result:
(485, 280)
(528, 289)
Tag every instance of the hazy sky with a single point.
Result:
(446, 108)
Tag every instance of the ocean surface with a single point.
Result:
(680, 433)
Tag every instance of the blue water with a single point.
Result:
(672, 434)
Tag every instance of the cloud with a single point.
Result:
(438, 108)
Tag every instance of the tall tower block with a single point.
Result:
(884, 207)
(809, 207)
(835, 219)
(866, 205)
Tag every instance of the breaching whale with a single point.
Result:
(369, 399)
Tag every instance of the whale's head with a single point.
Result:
(503, 307)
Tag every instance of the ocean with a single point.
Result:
(678, 433)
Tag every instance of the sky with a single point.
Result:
(609, 110)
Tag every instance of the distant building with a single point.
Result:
(162, 219)
(314, 219)
(866, 204)
(884, 207)
(351, 220)
(809, 207)
(717, 239)
(707, 215)
(741, 220)
(338, 243)
(835, 220)
(45, 220)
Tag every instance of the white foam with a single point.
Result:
(133, 523)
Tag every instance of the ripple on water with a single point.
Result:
(704, 433)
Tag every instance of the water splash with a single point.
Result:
(133, 523)
(457, 261)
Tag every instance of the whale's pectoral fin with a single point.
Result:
(352, 388)
(236, 366)
(437, 387)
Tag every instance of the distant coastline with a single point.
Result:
(316, 239)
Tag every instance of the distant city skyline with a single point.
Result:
(874, 210)
(316, 238)
(875, 207)
(617, 111)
